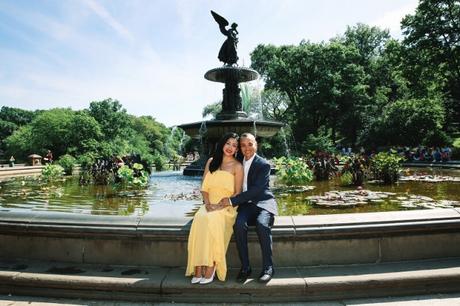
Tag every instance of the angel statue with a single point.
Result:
(227, 52)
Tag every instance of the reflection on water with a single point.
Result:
(298, 204)
(172, 195)
(168, 195)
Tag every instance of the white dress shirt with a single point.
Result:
(246, 165)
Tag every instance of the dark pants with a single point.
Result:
(250, 214)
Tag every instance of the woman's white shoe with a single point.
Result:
(205, 280)
(196, 280)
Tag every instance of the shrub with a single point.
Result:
(86, 160)
(293, 171)
(51, 172)
(386, 166)
(67, 162)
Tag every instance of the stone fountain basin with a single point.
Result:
(298, 240)
(216, 128)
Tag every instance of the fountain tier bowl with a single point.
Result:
(214, 129)
(231, 74)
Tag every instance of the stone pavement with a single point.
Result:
(296, 284)
(420, 300)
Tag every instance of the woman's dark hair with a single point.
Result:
(218, 155)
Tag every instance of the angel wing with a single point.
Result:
(221, 21)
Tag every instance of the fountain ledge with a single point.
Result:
(298, 240)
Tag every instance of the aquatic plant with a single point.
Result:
(135, 176)
(292, 171)
(357, 167)
(346, 179)
(386, 166)
(51, 172)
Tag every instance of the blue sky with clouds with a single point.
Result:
(151, 55)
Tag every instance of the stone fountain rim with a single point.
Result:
(245, 121)
(329, 225)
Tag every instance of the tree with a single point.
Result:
(212, 109)
(111, 116)
(155, 133)
(10, 120)
(409, 122)
(433, 33)
(274, 105)
(60, 130)
(325, 86)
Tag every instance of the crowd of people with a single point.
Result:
(433, 154)
(420, 153)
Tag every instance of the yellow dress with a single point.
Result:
(211, 231)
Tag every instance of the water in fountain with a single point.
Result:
(287, 152)
(202, 131)
(168, 141)
(252, 101)
(183, 137)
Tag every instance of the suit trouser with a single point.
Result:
(250, 214)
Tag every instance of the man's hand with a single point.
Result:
(219, 206)
(225, 202)
(209, 207)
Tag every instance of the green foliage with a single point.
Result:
(456, 143)
(159, 162)
(86, 160)
(325, 86)
(274, 104)
(432, 35)
(19, 143)
(365, 88)
(293, 171)
(346, 179)
(212, 109)
(409, 122)
(386, 166)
(67, 162)
(51, 172)
(321, 142)
(134, 177)
(156, 134)
(111, 116)
(61, 130)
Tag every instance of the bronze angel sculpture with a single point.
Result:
(227, 52)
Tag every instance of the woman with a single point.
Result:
(212, 225)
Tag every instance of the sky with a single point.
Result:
(151, 55)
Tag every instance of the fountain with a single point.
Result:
(232, 118)
(80, 248)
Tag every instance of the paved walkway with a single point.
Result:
(420, 300)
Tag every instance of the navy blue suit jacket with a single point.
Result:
(258, 183)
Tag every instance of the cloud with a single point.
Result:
(99, 10)
(392, 19)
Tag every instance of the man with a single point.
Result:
(256, 206)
